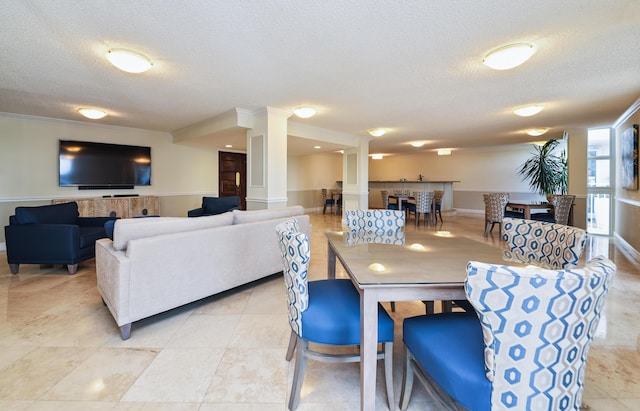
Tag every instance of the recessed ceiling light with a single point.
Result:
(444, 151)
(376, 156)
(92, 113)
(537, 131)
(418, 143)
(317, 147)
(510, 56)
(228, 146)
(129, 61)
(304, 111)
(377, 132)
(527, 111)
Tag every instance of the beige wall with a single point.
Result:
(307, 175)
(180, 175)
(627, 202)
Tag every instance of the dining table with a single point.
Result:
(417, 266)
(527, 206)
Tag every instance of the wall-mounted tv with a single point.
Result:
(89, 165)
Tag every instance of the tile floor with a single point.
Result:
(60, 348)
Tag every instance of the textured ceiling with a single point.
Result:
(413, 67)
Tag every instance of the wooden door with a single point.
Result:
(232, 172)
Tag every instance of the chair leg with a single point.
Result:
(407, 380)
(14, 268)
(292, 345)
(393, 306)
(298, 373)
(73, 268)
(429, 307)
(486, 229)
(324, 209)
(388, 373)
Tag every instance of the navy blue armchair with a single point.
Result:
(215, 205)
(52, 234)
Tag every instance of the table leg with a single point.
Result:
(331, 263)
(368, 349)
(527, 213)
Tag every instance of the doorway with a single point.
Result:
(232, 176)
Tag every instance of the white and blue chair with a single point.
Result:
(325, 312)
(544, 244)
(372, 221)
(424, 205)
(526, 349)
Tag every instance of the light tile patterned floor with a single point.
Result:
(60, 348)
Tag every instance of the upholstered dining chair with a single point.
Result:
(370, 221)
(437, 198)
(525, 350)
(385, 201)
(324, 312)
(494, 206)
(561, 209)
(328, 201)
(424, 205)
(547, 245)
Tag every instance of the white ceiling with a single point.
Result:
(413, 67)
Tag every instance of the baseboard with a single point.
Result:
(631, 253)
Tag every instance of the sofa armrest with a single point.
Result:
(196, 212)
(42, 242)
(94, 221)
(113, 278)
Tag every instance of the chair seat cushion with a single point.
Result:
(450, 348)
(89, 235)
(333, 315)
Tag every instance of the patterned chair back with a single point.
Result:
(378, 237)
(325, 195)
(371, 221)
(296, 253)
(548, 245)
(437, 197)
(494, 205)
(424, 201)
(405, 193)
(537, 327)
(385, 199)
(562, 207)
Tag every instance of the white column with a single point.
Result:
(267, 159)
(355, 177)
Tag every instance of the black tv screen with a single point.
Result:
(101, 165)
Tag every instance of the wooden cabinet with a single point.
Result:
(123, 207)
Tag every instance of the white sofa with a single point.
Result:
(156, 264)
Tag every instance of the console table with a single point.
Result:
(123, 207)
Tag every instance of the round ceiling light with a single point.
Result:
(527, 111)
(92, 113)
(510, 56)
(129, 61)
(537, 131)
(418, 143)
(304, 111)
(377, 132)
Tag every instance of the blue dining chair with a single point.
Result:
(526, 349)
(324, 312)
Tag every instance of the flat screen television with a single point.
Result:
(89, 165)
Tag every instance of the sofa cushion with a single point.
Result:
(65, 213)
(219, 205)
(134, 228)
(241, 217)
(89, 235)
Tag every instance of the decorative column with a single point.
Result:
(267, 159)
(355, 177)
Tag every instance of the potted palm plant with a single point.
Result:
(545, 171)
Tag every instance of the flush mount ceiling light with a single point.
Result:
(92, 113)
(510, 56)
(527, 111)
(537, 131)
(304, 111)
(377, 132)
(129, 61)
(444, 151)
(376, 156)
(418, 143)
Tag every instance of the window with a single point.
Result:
(599, 166)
